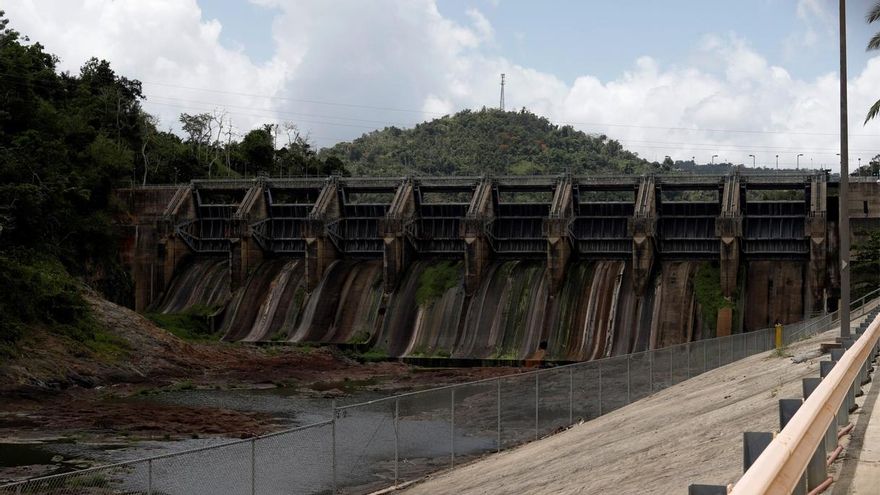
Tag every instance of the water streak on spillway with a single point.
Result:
(345, 305)
(269, 305)
(203, 282)
(512, 314)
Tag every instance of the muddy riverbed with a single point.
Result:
(64, 406)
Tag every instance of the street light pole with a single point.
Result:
(777, 162)
(843, 208)
(713, 158)
(753, 160)
(798, 165)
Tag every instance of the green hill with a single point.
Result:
(487, 141)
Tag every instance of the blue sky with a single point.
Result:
(679, 77)
(569, 38)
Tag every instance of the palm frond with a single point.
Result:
(874, 13)
(874, 43)
(874, 110)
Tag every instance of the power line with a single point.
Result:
(655, 145)
(746, 147)
(600, 124)
(300, 100)
(271, 117)
(285, 112)
(423, 112)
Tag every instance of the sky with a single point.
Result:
(678, 78)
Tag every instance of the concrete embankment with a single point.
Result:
(688, 433)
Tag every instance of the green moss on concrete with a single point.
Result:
(436, 280)
(707, 291)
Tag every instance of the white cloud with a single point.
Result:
(342, 68)
(481, 24)
(163, 41)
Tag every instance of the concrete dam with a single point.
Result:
(557, 268)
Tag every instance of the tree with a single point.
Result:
(258, 150)
(66, 141)
(198, 131)
(873, 44)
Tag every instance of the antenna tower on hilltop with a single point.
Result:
(501, 103)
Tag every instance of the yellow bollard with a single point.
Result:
(779, 336)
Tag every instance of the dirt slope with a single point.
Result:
(49, 362)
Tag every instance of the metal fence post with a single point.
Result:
(498, 402)
(537, 385)
(705, 356)
(600, 388)
(628, 379)
(452, 428)
(396, 438)
(333, 445)
(688, 350)
(253, 466)
(570, 395)
(149, 477)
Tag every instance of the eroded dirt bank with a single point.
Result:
(58, 388)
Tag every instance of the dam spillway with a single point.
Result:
(563, 268)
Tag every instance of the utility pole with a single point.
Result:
(501, 103)
(843, 208)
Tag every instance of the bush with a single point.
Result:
(192, 324)
(38, 290)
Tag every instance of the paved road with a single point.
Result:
(860, 474)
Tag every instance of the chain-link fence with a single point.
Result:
(807, 328)
(393, 440)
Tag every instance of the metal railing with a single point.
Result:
(807, 328)
(795, 460)
(389, 441)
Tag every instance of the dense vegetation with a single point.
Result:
(480, 142)
(64, 142)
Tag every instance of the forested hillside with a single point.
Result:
(65, 141)
(487, 141)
